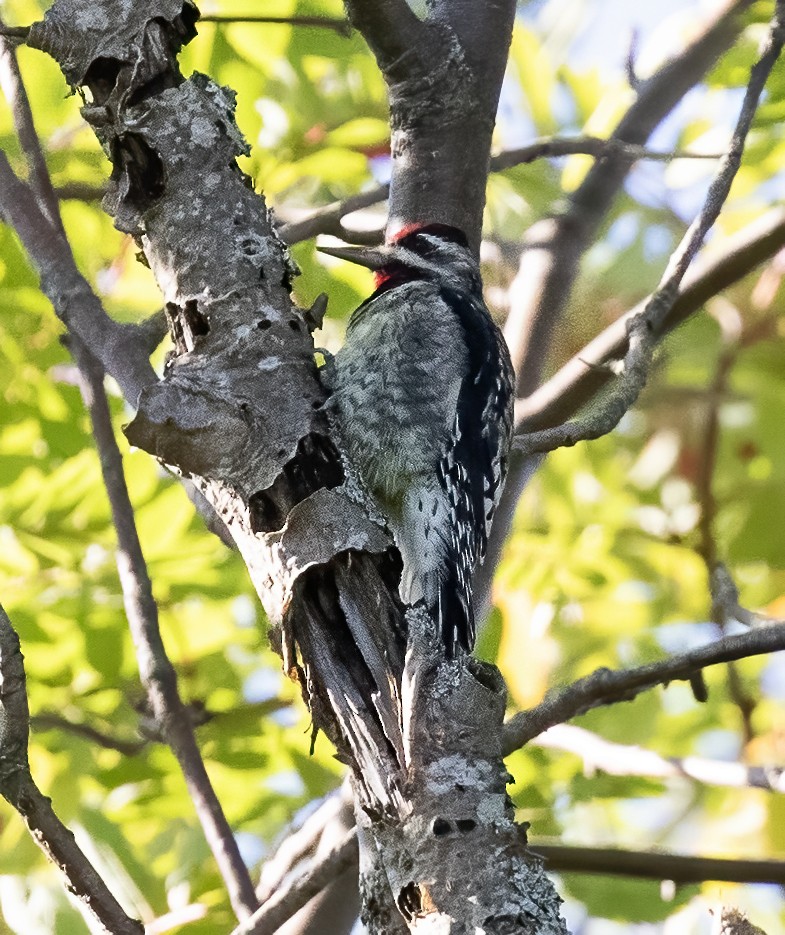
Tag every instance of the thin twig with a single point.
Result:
(298, 843)
(286, 902)
(645, 328)
(122, 353)
(577, 382)
(617, 759)
(607, 686)
(80, 191)
(704, 486)
(19, 789)
(15, 34)
(327, 220)
(341, 26)
(588, 146)
(725, 605)
(46, 721)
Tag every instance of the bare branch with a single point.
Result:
(301, 841)
(658, 866)
(645, 328)
(388, 26)
(19, 789)
(156, 671)
(15, 94)
(578, 381)
(121, 354)
(47, 721)
(341, 26)
(725, 601)
(607, 686)
(336, 907)
(286, 902)
(554, 147)
(327, 220)
(618, 759)
(80, 191)
(15, 34)
(719, 578)
(177, 918)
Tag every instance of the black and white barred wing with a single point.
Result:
(474, 465)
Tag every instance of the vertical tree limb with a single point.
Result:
(430, 868)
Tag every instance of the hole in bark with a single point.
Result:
(315, 464)
(186, 324)
(197, 322)
(294, 324)
(263, 324)
(465, 825)
(101, 77)
(409, 901)
(441, 827)
(143, 166)
(486, 675)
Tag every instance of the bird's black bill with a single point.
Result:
(371, 258)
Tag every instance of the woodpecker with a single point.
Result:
(423, 395)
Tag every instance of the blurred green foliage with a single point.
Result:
(603, 566)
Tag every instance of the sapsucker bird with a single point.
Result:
(423, 395)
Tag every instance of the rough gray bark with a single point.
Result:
(444, 76)
(239, 412)
(239, 343)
